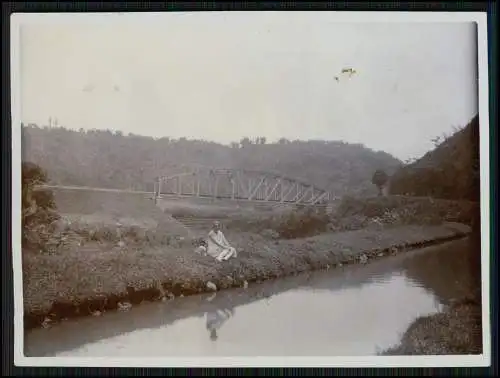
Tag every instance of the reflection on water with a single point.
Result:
(216, 317)
(356, 310)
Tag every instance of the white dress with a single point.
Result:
(217, 252)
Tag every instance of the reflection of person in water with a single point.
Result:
(215, 319)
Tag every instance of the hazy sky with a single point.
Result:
(222, 76)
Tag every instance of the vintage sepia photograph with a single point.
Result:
(224, 188)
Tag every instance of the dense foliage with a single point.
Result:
(380, 179)
(102, 158)
(450, 171)
(38, 208)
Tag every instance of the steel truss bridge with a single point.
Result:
(239, 185)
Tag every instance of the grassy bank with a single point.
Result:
(106, 250)
(99, 276)
(456, 330)
(346, 215)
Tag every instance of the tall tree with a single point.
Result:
(380, 179)
(245, 142)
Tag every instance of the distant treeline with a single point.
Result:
(102, 158)
(450, 171)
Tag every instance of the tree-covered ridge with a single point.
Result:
(450, 171)
(102, 158)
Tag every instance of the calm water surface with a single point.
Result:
(355, 310)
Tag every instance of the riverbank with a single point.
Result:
(330, 301)
(456, 330)
(101, 277)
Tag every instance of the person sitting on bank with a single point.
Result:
(218, 247)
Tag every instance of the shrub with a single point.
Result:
(39, 213)
(406, 210)
(306, 222)
(302, 222)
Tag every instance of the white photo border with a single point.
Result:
(480, 18)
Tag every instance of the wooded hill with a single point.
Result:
(102, 158)
(450, 171)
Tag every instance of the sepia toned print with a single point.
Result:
(224, 185)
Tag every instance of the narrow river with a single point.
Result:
(354, 310)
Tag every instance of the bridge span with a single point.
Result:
(240, 185)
